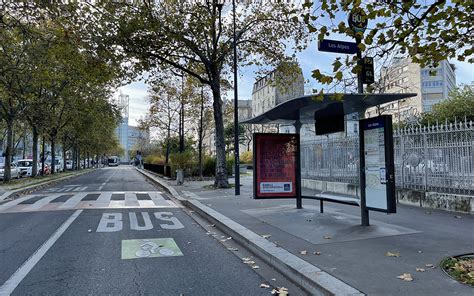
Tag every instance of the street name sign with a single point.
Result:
(337, 46)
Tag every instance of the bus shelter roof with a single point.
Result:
(303, 108)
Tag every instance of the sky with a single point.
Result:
(308, 60)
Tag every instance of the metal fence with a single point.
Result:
(437, 158)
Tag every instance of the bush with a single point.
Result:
(154, 159)
(183, 161)
(246, 157)
(209, 166)
(230, 165)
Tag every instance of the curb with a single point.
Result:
(19, 191)
(309, 277)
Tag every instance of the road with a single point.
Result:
(112, 232)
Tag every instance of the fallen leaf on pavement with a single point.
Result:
(405, 277)
(266, 235)
(264, 286)
(280, 291)
(316, 253)
(327, 237)
(304, 252)
(390, 254)
(420, 269)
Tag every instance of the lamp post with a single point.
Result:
(236, 111)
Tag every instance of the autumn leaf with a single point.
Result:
(405, 277)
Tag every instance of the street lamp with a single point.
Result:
(236, 111)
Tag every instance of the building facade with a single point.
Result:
(431, 85)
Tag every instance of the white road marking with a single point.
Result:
(10, 285)
(103, 200)
(131, 200)
(42, 202)
(73, 201)
(16, 202)
(158, 199)
(134, 222)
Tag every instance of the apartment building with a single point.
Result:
(431, 85)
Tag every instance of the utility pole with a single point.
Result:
(236, 112)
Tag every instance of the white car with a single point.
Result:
(69, 164)
(14, 172)
(25, 166)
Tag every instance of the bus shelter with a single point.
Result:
(277, 171)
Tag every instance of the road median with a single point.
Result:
(28, 188)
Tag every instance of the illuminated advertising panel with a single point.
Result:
(378, 164)
(275, 165)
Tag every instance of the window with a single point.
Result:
(405, 69)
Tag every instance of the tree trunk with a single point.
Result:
(168, 135)
(34, 169)
(200, 133)
(221, 180)
(42, 158)
(53, 154)
(64, 156)
(88, 160)
(8, 151)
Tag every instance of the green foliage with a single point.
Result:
(155, 159)
(183, 161)
(246, 157)
(426, 31)
(230, 165)
(458, 107)
(209, 167)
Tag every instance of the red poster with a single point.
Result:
(275, 165)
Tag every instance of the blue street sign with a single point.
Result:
(337, 46)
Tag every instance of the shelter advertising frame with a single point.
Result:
(276, 166)
(377, 170)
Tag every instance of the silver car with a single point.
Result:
(14, 172)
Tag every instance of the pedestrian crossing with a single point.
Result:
(86, 200)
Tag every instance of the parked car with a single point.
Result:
(58, 164)
(25, 166)
(14, 172)
(69, 164)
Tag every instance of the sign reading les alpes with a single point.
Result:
(275, 165)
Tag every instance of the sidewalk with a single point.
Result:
(336, 243)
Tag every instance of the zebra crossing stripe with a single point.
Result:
(103, 200)
(42, 202)
(17, 201)
(131, 200)
(73, 201)
(158, 199)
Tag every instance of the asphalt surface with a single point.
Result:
(112, 232)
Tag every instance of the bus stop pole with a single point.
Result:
(364, 213)
(299, 203)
